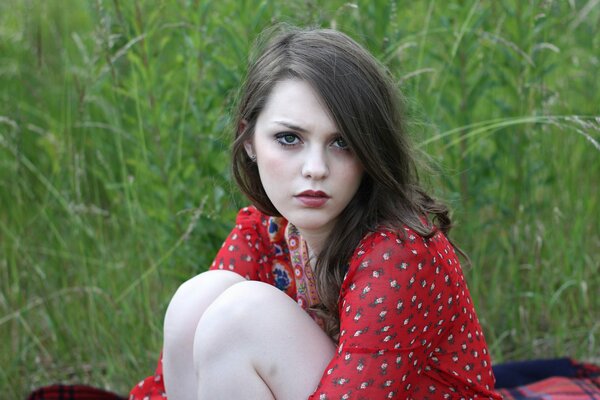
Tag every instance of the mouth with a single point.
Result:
(313, 193)
(313, 198)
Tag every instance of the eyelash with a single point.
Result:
(345, 147)
(280, 139)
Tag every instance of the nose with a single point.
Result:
(316, 165)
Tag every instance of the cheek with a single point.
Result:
(271, 165)
(353, 173)
(274, 169)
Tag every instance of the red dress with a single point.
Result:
(408, 329)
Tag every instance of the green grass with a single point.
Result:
(114, 165)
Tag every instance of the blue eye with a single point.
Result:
(340, 143)
(287, 139)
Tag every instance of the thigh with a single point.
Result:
(181, 319)
(268, 331)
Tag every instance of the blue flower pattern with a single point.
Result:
(282, 279)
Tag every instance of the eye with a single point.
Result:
(340, 143)
(287, 139)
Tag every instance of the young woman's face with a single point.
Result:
(305, 167)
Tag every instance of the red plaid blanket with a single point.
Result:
(72, 392)
(581, 382)
(556, 388)
(583, 385)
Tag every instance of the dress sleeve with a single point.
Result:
(395, 303)
(246, 250)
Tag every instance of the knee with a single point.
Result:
(233, 310)
(205, 282)
(191, 300)
(232, 320)
(242, 298)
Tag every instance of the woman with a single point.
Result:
(339, 281)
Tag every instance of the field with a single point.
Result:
(115, 184)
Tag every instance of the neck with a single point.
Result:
(315, 241)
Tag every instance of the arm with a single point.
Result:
(408, 326)
(244, 250)
(387, 321)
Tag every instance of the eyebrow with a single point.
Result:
(296, 127)
(291, 126)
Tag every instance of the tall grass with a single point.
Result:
(114, 166)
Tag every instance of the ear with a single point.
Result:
(242, 127)
(250, 149)
(248, 145)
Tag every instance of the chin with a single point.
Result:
(309, 220)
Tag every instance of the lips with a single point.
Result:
(313, 198)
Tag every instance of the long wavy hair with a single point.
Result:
(364, 102)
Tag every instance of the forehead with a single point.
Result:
(294, 100)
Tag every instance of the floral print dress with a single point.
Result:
(408, 328)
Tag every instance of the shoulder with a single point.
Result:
(251, 221)
(403, 256)
(404, 242)
(250, 217)
(395, 284)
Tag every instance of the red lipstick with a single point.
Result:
(313, 198)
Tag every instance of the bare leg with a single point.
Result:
(181, 319)
(254, 342)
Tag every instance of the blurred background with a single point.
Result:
(114, 168)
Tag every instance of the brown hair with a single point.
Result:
(364, 103)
